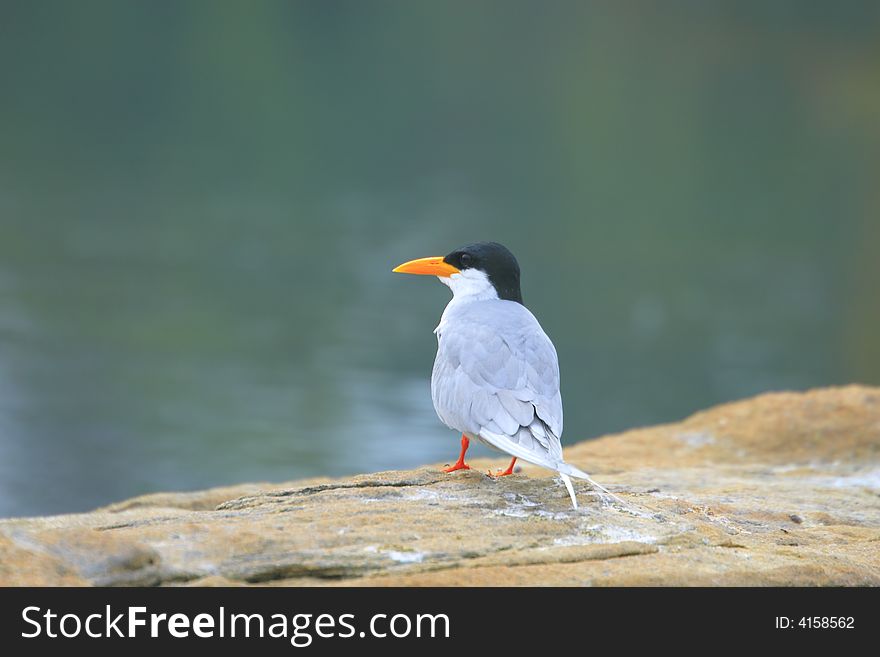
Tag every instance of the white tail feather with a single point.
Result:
(505, 444)
(566, 469)
(567, 481)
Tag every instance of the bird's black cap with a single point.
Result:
(494, 259)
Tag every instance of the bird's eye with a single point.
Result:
(465, 259)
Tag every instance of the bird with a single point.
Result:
(496, 374)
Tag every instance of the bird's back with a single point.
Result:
(497, 372)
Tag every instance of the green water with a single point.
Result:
(201, 203)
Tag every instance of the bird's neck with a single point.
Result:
(470, 285)
(467, 287)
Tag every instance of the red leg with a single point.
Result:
(504, 473)
(460, 464)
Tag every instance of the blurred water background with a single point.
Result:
(201, 203)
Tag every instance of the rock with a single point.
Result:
(783, 489)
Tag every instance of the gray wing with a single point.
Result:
(497, 374)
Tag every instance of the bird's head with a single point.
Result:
(484, 270)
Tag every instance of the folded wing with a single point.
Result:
(497, 376)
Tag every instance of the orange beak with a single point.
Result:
(427, 266)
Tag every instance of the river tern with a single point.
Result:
(496, 374)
